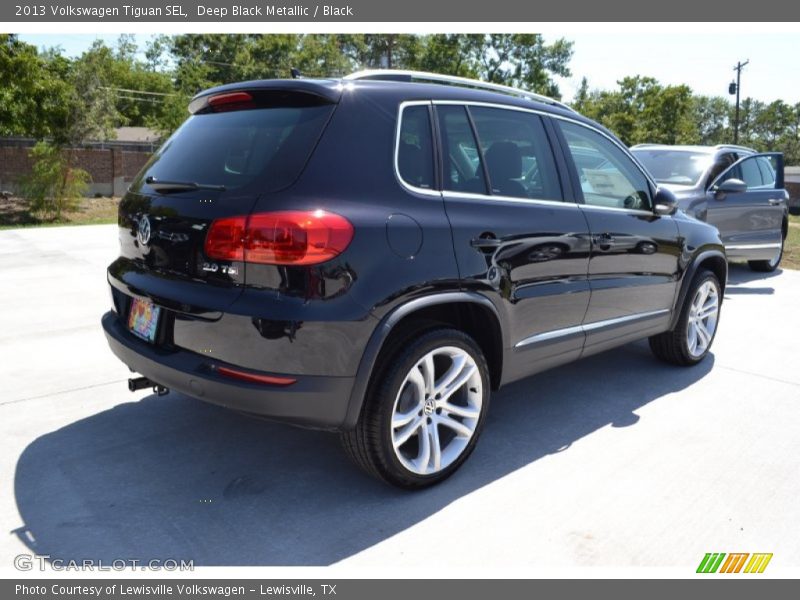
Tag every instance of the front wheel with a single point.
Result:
(689, 341)
(424, 411)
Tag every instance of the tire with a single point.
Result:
(689, 341)
(767, 266)
(426, 411)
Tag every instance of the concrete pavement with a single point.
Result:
(617, 460)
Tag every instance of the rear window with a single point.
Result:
(415, 149)
(236, 148)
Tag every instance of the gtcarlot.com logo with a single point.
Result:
(43, 562)
(735, 562)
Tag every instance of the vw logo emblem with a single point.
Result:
(143, 232)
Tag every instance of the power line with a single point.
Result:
(117, 89)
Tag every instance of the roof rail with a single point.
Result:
(736, 147)
(424, 77)
(715, 147)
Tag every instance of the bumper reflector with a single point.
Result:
(253, 377)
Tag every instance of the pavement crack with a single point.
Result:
(59, 392)
(761, 375)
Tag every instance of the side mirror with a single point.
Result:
(729, 186)
(665, 202)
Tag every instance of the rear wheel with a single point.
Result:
(424, 411)
(689, 341)
(767, 266)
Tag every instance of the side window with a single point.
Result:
(415, 148)
(463, 170)
(750, 173)
(517, 153)
(607, 175)
(767, 172)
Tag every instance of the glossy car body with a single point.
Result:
(752, 220)
(537, 282)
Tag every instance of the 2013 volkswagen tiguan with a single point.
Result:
(375, 255)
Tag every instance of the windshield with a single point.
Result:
(232, 149)
(679, 167)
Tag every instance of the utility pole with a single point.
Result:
(733, 88)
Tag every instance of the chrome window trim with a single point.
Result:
(619, 145)
(535, 201)
(588, 327)
(398, 128)
(635, 211)
(454, 194)
(497, 198)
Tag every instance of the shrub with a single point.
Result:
(54, 185)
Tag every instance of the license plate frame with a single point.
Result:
(143, 319)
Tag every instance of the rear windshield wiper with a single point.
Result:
(163, 186)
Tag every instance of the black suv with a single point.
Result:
(374, 255)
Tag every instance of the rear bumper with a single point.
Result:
(318, 402)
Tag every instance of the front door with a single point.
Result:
(750, 222)
(634, 264)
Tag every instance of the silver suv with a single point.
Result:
(734, 188)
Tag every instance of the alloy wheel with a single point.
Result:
(437, 410)
(702, 322)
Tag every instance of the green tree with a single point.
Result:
(582, 97)
(524, 61)
(451, 54)
(642, 110)
(53, 185)
(92, 112)
(711, 117)
(33, 89)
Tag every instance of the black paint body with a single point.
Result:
(554, 266)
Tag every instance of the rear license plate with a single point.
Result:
(143, 319)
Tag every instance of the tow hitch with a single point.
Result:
(140, 383)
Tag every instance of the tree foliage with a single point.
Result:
(53, 185)
(47, 96)
(643, 110)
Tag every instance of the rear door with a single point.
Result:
(518, 235)
(750, 222)
(634, 264)
(239, 146)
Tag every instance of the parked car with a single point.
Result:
(375, 255)
(736, 189)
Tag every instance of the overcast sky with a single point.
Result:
(704, 61)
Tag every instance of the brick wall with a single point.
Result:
(106, 163)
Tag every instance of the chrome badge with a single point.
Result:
(143, 231)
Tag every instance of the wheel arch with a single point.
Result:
(711, 259)
(467, 311)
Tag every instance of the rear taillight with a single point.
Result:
(225, 239)
(290, 237)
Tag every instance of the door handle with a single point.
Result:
(485, 243)
(775, 201)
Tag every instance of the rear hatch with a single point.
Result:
(241, 143)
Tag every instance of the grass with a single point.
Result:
(791, 250)
(90, 211)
